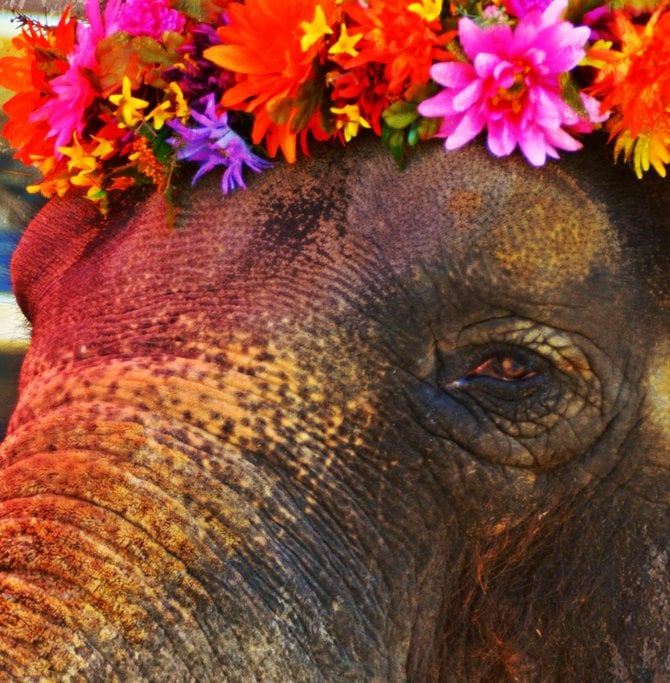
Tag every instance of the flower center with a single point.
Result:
(515, 94)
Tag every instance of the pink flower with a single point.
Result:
(137, 17)
(512, 86)
(149, 18)
(519, 8)
(74, 91)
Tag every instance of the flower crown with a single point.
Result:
(122, 97)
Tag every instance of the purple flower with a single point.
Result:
(512, 86)
(213, 143)
(197, 76)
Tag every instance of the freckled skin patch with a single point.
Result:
(465, 203)
(569, 247)
(219, 469)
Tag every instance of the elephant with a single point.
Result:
(352, 424)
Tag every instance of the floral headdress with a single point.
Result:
(121, 97)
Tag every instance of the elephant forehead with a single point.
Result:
(536, 227)
(550, 241)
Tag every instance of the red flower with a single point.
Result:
(398, 44)
(271, 46)
(43, 56)
(633, 83)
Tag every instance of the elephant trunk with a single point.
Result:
(136, 545)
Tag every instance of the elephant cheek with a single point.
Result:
(658, 396)
(659, 392)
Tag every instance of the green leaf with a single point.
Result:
(160, 147)
(570, 94)
(149, 51)
(428, 127)
(280, 111)
(193, 8)
(395, 141)
(307, 103)
(172, 42)
(114, 54)
(421, 91)
(170, 207)
(413, 136)
(400, 115)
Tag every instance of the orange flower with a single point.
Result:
(271, 46)
(634, 83)
(42, 56)
(397, 43)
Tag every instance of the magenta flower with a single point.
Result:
(136, 17)
(74, 91)
(519, 8)
(148, 18)
(512, 87)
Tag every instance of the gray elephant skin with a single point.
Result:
(353, 424)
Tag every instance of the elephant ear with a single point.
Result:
(64, 231)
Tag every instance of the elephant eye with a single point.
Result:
(508, 372)
(505, 368)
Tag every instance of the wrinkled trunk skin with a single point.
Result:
(142, 547)
(238, 452)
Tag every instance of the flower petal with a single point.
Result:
(567, 43)
(468, 128)
(473, 38)
(547, 110)
(437, 106)
(501, 139)
(561, 139)
(488, 64)
(469, 96)
(452, 74)
(533, 146)
(554, 13)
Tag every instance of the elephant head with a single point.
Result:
(351, 424)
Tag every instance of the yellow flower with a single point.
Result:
(315, 30)
(427, 9)
(174, 107)
(181, 105)
(128, 105)
(160, 114)
(51, 187)
(351, 122)
(80, 159)
(85, 179)
(86, 162)
(99, 196)
(645, 150)
(104, 148)
(345, 44)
